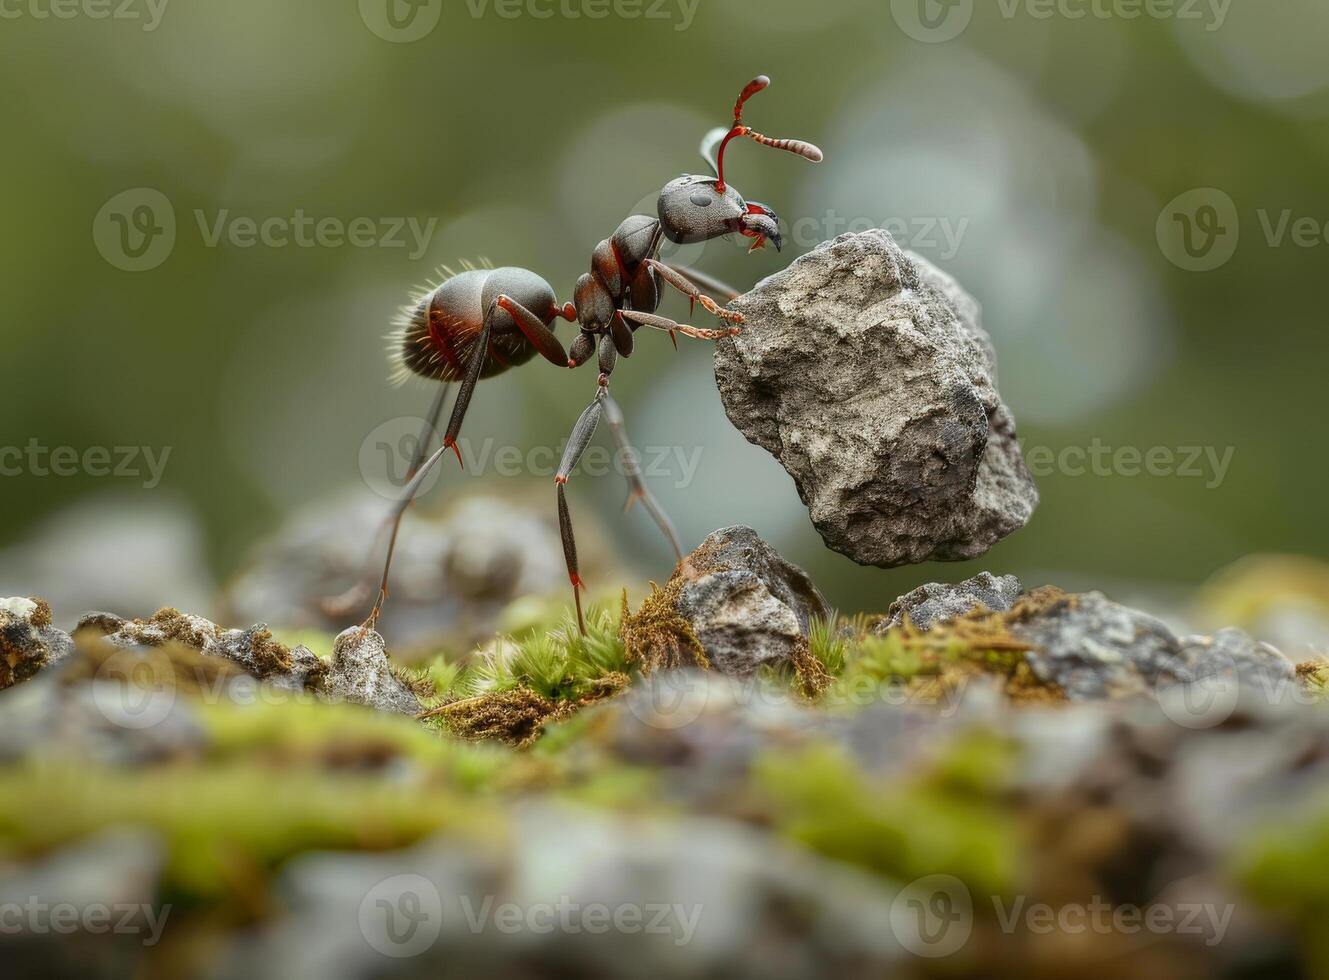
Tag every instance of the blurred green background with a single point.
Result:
(1048, 147)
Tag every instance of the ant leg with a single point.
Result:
(637, 489)
(689, 289)
(669, 326)
(577, 443)
(359, 593)
(478, 354)
(540, 336)
(706, 281)
(399, 510)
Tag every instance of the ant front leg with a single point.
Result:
(689, 289)
(706, 281)
(670, 326)
(577, 443)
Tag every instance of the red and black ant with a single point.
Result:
(482, 322)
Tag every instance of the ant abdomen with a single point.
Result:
(438, 330)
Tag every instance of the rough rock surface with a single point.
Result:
(1094, 648)
(362, 673)
(864, 370)
(1231, 652)
(360, 670)
(937, 602)
(253, 649)
(28, 641)
(748, 606)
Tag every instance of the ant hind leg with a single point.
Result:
(637, 489)
(359, 593)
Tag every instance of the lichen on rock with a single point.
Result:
(28, 640)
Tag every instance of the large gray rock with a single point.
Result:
(1093, 648)
(748, 606)
(936, 602)
(864, 370)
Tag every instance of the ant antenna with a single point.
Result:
(803, 149)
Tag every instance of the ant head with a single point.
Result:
(694, 208)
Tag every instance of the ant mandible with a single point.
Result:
(481, 322)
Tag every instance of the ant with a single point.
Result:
(481, 322)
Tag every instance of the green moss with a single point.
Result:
(656, 636)
(947, 821)
(1314, 677)
(517, 686)
(927, 666)
(228, 827)
(827, 641)
(319, 641)
(349, 737)
(1282, 866)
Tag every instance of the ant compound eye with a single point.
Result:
(701, 200)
